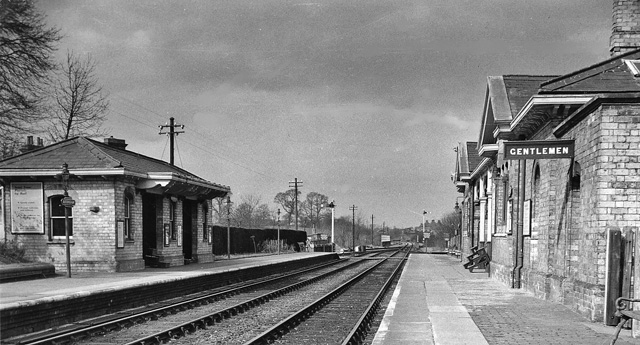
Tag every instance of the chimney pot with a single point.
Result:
(117, 143)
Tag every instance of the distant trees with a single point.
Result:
(312, 208)
(288, 202)
(250, 213)
(449, 225)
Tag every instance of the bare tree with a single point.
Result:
(219, 210)
(288, 202)
(313, 206)
(250, 213)
(26, 49)
(79, 101)
(449, 225)
(263, 216)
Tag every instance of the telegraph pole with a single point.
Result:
(353, 229)
(172, 133)
(295, 183)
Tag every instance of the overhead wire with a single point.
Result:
(229, 160)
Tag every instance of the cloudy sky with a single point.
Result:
(361, 100)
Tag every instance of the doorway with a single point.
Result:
(188, 211)
(149, 237)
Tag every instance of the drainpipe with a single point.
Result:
(517, 275)
(472, 218)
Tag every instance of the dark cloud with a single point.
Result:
(362, 99)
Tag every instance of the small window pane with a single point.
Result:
(57, 210)
(127, 205)
(58, 227)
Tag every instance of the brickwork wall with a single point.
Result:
(203, 251)
(170, 255)
(130, 257)
(625, 34)
(502, 259)
(565, 256)
(93, 242)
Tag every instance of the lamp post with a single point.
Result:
(278, 221)
(458, 210)
(228, 227)
(353, 230)
(424, 214)
(67, 202)
(332, 206)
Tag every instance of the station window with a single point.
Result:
(128, 232)
(575, 177)
(56, 212)
(205, 231)
(172, 218)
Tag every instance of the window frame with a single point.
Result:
(173, 205)
(128, 232)
(205, 230)
(53, 199)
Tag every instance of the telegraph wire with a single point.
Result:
(206, 137)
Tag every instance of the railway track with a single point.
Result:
(342, 316)
(169, 319)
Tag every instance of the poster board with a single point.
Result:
(27, 208)
(167, 234)
(120, 234)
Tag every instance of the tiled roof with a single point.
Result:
(520, 88)
(473, 157)
(82, 153)
(609, 76)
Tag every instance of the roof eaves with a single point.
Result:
(544, 100)
(590, 106)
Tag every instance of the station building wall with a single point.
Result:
(573, 206)
(95, 246)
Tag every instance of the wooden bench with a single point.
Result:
(625, 313)
(479, 258)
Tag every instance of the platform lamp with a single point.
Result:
(332, 206)
(458, 210)
(228, 227)
(278, 221)
(67, 202)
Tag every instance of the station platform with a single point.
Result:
(437, 301)
(34, 305)
(60, 287)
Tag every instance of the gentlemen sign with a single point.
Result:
(538, 149)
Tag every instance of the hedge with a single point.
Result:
(241, 241)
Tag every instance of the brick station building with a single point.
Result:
(128, 209)
(546, 221)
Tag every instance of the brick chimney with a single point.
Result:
(625, 33)
(117, 143)
(30, 145)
